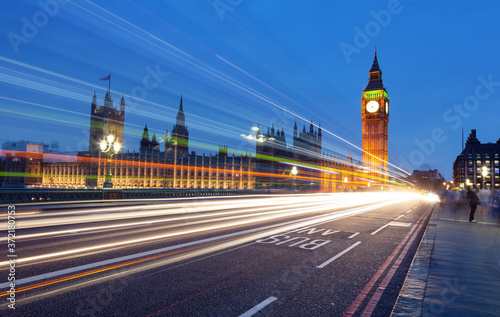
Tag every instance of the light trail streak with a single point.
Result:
(340, 200)
(228, 216)
(48, 72)
(141, 214)
(213, 246)
(319, 204)
(163, 209)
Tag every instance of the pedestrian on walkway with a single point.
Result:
(473, 202)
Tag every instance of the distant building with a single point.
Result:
(429, 180)
(475, 158)
(23, 163)
(26, 146)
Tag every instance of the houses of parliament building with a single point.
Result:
(174, 166)
(276, 165)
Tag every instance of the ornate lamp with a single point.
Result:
(110, 146)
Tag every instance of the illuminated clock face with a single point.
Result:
(386, 107)
(372, 106)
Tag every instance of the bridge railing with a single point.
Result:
(17, 196)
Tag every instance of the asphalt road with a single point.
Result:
(290, 255)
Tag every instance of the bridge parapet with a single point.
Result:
(17, 196)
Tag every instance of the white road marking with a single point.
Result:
(374, 232)
(399, 224)
(338, 255)
(259, 307)
(399, 217)
(352, 235)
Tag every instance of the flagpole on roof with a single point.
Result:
(109, 84)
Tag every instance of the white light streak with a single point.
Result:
(309, 204)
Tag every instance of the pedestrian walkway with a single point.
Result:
(456, 271)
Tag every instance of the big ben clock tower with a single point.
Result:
(375, 121)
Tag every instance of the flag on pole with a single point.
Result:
(108, 78)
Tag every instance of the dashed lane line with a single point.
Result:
(259, 307)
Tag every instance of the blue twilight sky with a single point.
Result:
(239, 63)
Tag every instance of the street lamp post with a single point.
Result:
(294, 173)
(484, 172)
(110, 146)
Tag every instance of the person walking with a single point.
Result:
(473, 202)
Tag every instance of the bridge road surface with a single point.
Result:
(304, 255)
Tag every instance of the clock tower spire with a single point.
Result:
(375, 121)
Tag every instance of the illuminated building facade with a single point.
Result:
(375, 123)
(478, 158)
(303, 166)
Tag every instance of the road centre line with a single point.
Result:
(259, 307)
(332, 216)
(338, 255)
(374, 232)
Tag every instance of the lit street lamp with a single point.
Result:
(467, 182)
(294, 173)
(484, 172)
(110, 146)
